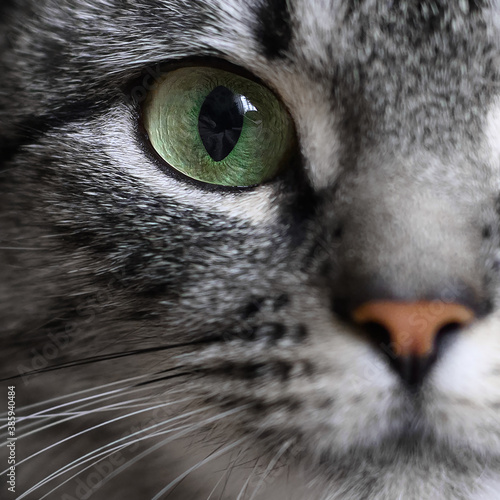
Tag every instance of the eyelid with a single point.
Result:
(137, 90)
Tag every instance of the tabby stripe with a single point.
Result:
(274, 28)
(31, 129)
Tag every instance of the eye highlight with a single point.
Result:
(218, 127)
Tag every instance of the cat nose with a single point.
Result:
(411, 334)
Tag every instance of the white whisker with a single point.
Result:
(211, 457)
(270, 467)
(183, 430)
(247, 482)
(38, 429)
(109, 396)
(226, 475)
(102, 424)
(84, 391)
(172, 438)
(101, 454)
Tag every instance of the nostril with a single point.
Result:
(377, 333)
(445, 336)
(449, 328)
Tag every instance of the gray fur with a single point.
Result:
(221, 299)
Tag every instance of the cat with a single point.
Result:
(250, 249)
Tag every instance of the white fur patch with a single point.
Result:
(492, 137)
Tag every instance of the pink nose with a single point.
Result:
(413, 326)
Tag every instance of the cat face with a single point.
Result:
(161, 327)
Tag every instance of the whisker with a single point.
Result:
(184, 430)
(32, 426)
(109, 449)
(217, 485)
(102, 424)
(42, 412)
(118, 355)
(37, 429)
(172, 438)
(211, 457)
(84, 391)
(270, 467)
(162, 379)
(78, 411)
(247, 482)
(88, 400)
(102, 455)
(34, 420)
(227, 474)
(117, 406)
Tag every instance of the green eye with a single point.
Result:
(218, 127)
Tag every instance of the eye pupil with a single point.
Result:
(220, 122)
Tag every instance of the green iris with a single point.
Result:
(218, 127)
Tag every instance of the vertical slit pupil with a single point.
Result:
(220, 122)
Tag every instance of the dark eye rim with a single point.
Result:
(163, 67)
(148, 149)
